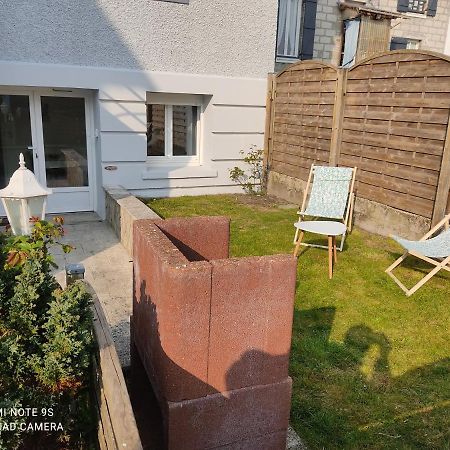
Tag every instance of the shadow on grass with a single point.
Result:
(346, 397)
(319, 241)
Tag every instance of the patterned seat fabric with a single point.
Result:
(329, 193)
(436, 247)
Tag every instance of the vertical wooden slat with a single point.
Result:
(269, 119)
(443, 188)
(338, 117)
(374, 37)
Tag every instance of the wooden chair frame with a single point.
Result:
(347, 219)
(439, 263)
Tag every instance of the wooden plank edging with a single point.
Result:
(117, 424)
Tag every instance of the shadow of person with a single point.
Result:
(362, 338)
(346, 396)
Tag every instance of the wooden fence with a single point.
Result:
(387, 115)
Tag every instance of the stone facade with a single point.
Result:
(430, 31)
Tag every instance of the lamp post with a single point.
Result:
(23, 199)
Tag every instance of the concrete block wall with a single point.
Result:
(214, 334)
(122, 210)
(328, 30)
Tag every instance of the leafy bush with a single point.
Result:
(46, 344)
(253, 181)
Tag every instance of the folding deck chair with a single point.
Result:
(331, 197)
(434, 250)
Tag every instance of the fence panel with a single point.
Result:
(388, 115)
(303, 118)
(396, 112)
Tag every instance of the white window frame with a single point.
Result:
(421, 8)
(413, 44)
(169, 101)
(286, 25)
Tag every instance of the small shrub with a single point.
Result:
(46, 343)
(253, 181)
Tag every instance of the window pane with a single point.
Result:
(65, 146)
(155, 130)
(184, 130)
(15, 135)
(288, 28)
(413, 44)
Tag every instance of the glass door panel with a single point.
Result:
(15, 135)
(65, 146)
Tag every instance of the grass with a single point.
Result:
(371, 367)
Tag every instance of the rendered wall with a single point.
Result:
(231, 38)
(233, 120)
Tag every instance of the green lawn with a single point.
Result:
(371, 367)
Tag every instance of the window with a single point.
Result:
(418, 6)
(172, 125)
(288, 35)
(296, 29)
(398, 43)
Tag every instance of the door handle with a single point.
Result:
(31, 149)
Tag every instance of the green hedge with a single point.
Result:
(46, 347)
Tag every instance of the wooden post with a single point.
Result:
(271, 81)
(443, 187)
(338, 117)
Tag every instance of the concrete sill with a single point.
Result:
(168, 173)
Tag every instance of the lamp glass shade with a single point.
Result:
(23, 199)
(36, 207)
(13, 207)
(20, 211)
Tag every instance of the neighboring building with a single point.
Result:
(156, 96)
(318, 28)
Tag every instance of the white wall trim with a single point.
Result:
(133, 85)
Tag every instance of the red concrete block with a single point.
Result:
(272, 441)
(213, 334)
(251, 320)
(235, 419)
(199, 238)
(171, 304)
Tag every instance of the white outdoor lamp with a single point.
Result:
(23, 199)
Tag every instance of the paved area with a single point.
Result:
(108, 269)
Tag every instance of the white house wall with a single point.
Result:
(121, 50)
(232, 120)
(226, 38)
